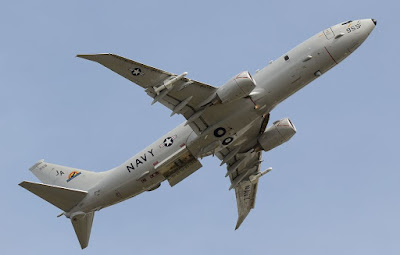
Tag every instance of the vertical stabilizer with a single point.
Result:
(82, 223)
(64, 176)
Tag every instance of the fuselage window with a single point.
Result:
(286, 58)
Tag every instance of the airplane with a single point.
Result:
(229, 122)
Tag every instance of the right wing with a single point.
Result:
(184, 97)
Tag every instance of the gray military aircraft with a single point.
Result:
(229, 121)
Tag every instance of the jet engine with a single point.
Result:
(238, 87)
(280, 132)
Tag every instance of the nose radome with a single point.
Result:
(374, 20)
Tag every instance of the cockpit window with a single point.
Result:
(347, 22)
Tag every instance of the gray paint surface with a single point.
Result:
(93, 123)
(223, 123)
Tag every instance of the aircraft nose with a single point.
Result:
(374, 20)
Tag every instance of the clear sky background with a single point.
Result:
(334, 188)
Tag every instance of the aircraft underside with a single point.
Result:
(230, 122)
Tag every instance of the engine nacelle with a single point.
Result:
(238, 87)
(280, 132)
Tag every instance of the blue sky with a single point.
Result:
(334, 188)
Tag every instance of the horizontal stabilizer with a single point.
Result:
(82, 223)
(63, 198)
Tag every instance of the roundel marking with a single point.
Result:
(227, 140)
(136, 71)
(168, 141)
(219, 132)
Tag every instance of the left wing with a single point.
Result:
(181, 95)
(240, 169)
(243, 168)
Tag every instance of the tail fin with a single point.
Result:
(61, 197)
(65, 187)
(65, 176)
(82, 223)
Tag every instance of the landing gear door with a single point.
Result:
(329, 33)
